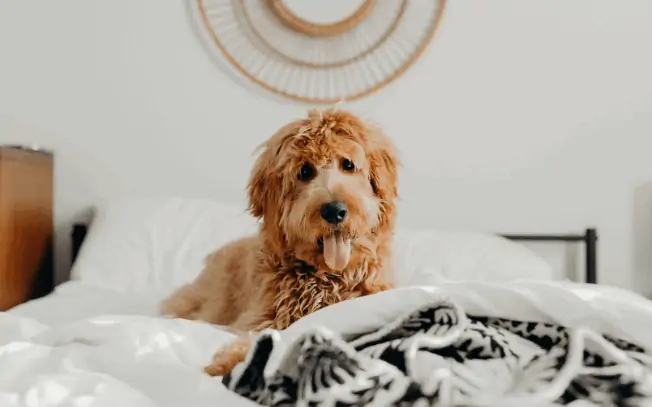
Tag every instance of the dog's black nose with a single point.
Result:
(334, 212)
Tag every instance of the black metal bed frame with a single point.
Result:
(589, 238)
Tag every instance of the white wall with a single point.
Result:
(524, 116)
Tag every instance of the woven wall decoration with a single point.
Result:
(324, 51)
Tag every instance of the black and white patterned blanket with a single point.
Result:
(438, 355)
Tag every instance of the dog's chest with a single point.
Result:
(302, 292)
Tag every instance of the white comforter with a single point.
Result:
(144, 360)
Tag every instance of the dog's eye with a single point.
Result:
(306, 173)
(347, 165)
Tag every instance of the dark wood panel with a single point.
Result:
(26, 224)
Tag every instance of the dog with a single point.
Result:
(324, 189)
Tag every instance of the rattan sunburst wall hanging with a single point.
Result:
(320, 52)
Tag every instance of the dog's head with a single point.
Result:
(325, 189)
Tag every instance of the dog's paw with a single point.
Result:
(219, 368)
(223, 363)
(228, 357)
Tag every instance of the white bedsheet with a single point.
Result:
(76, 300)
(87, 346)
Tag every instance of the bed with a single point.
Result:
(476, 320)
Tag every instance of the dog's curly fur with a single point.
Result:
(280, 275)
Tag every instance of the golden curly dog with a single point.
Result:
(324, 188)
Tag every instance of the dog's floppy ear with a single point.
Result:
(259, 185)
(266, 184)
(383, 171)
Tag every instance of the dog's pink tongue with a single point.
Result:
(337, 251)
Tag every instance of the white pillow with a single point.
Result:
(428, 257)
(153, 245)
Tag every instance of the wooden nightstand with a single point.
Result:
(26, 224)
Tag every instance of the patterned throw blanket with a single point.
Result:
(438, 355)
